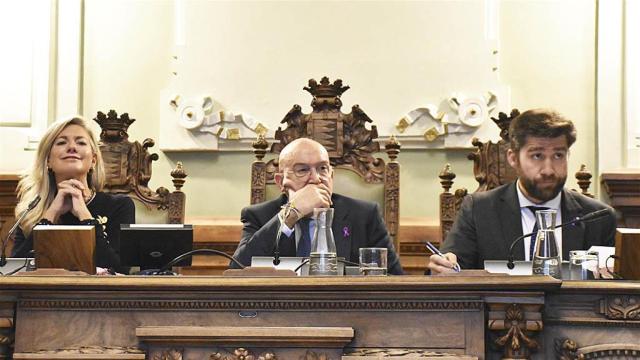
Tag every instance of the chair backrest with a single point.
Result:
(350, 145)
(128, 171)
(491, 169)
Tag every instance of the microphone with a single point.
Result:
(31, 206)
(596, 215)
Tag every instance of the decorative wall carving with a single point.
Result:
(128, 167)
(253, 304)
(452, 126)
(624, 307)
(350, 144)
(200, 124)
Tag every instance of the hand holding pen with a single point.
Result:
(440, 260)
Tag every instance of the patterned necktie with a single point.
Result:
(532, 246)
(304, 245)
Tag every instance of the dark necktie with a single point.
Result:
(304, 245)
(532, 247)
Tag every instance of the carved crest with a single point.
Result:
(345, 136)
(128, 166)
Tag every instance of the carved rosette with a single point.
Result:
(623, 307)
(513, 332)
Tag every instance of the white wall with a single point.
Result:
(255, 57)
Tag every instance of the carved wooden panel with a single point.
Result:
(8, 202)
(128, 167)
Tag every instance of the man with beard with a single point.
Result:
(489, 221)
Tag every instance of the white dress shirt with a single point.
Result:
(529, 219)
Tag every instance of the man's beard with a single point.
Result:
(545, 194)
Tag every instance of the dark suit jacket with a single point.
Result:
(356, 224)
(489, 221)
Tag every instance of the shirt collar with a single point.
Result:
(551, 204)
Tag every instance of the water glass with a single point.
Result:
(583, 265)
(373, 261)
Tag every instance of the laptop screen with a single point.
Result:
(152, 246)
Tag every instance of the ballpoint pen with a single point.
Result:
(435, 251)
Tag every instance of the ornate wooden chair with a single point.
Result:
(491, 169)
(128, 169)
(350, 144)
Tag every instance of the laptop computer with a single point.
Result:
(15, 265)
(152, 246)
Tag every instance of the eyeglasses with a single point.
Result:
(302, 170)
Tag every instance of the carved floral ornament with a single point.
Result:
(625, 307)
(513, 331)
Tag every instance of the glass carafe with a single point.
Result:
(546, 257)
(323, 259)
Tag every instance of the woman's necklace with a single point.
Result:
(90, 199)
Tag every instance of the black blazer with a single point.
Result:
(489, 221)
(356, 224)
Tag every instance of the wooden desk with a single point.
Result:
(354, 318)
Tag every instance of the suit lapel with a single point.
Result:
(572, 235)
(341, 227)
(511, 221)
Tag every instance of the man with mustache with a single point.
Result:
(305, 178)
(489, 221)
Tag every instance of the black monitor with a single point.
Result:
(152, 246)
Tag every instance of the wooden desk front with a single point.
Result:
(463, 317)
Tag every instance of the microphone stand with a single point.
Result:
(163, 270)
(587, 218)
(3, 255)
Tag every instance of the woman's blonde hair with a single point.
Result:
(41, 182)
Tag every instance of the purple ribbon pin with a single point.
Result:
(345, 231)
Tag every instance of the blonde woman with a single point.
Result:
(68, 176)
